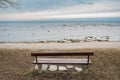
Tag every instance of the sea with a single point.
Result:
(36, 31)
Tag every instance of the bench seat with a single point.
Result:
(61, 61)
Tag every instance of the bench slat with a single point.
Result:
(61, 61)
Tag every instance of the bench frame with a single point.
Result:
(87, 54)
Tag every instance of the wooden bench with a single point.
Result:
(54, 60)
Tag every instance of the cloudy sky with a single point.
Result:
(80, 10)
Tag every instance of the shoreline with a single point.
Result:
(60, 46)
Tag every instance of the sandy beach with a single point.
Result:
(60, 45)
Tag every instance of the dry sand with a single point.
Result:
(60, 45)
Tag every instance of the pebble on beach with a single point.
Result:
(70, 66)
(36, 67)
(44, 67)
(52, 68)
(62, 68)
(78, 69)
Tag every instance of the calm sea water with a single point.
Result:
(35, 31)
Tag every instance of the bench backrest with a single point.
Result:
(62, 54)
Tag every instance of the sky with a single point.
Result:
(68, 10)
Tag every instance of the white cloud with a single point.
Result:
(70, 16)
(98, 10)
